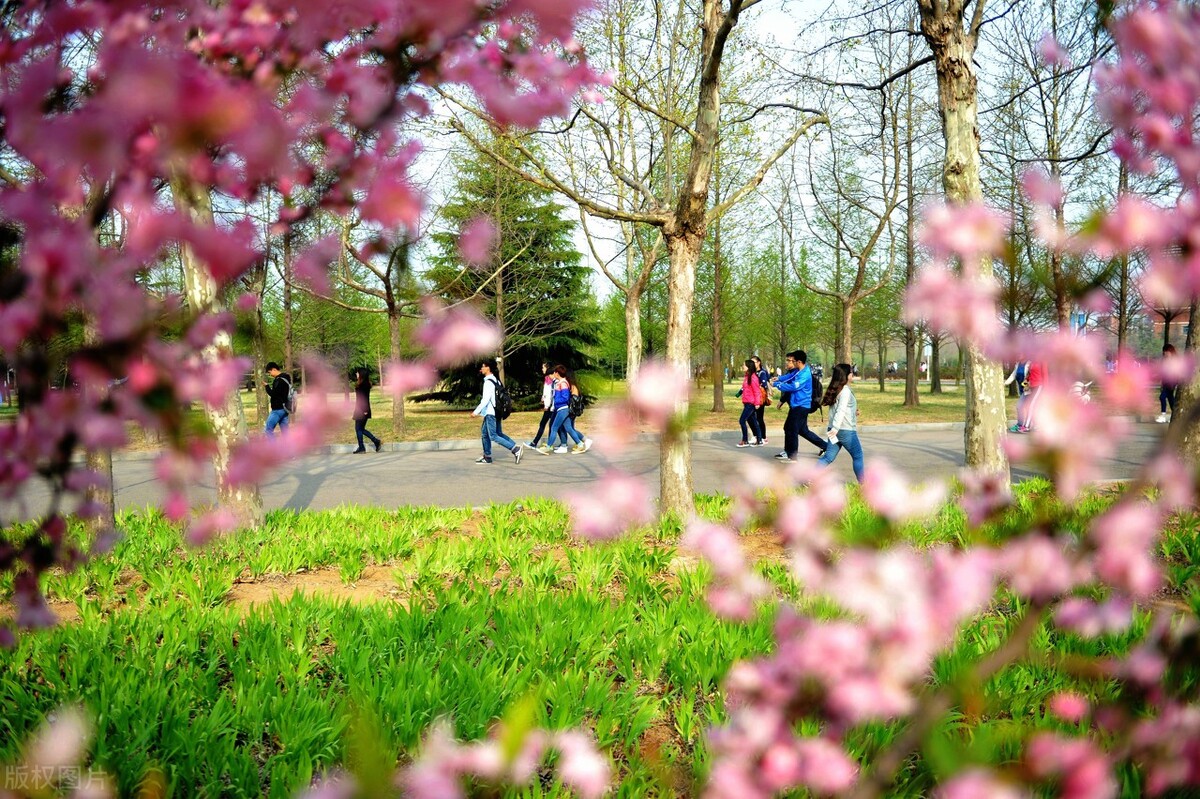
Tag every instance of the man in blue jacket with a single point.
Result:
(796, 385)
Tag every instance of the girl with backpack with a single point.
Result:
(843, 420)
(362, 409)
(764, 380)
(751, 393)
(563, 389)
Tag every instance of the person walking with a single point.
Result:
(1020, 374)
(1035, 377)
(562, 426)
(278, 389)
(842, 432)
(1168, 392)
(796, 385)
(751, 393)
(547, 407)
(490, 430)
(574, 409)
(362, 409)
(764, 380)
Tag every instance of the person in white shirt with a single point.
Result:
(490, 430)
(843, 419)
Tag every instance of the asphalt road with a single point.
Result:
(449, 476)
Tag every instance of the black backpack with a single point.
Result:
(814, 404)
(575, 406)
(504, 406)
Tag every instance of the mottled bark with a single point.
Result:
(227, 420)
(952, 41)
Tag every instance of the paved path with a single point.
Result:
(449, 477)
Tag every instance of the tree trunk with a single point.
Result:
(227, 421)
(100, 462)
(881, 350)
(953, 49)
(287, 306)
(845, 351)
(912, 397)
(633, 334)
(675, 485)
(1123, 291)
(935, 367)
(398, 419)
(718, 382)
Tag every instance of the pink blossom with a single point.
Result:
(964, 231)
(210, 525)
(477, 240)
(985, 494)
(1128, 387)
(1038, 566)
(1052, 53)
(400, 378)
(617, 503)
(890, 495)
(659, 391)
(1080, 768)
(962, 306)
(1041, 187)
(826, 768)
(582, 768)
(455, 334)
(1068, 706)
(1177, 368)
(60, 743)
(1091, 619)
(979, 784)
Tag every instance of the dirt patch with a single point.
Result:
(376, 584)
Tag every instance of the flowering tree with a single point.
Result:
(156, 119)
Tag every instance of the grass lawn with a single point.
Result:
(238, 670)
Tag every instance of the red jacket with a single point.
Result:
(752, 393)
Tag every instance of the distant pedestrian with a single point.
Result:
(1035, 378)
(842, 432)
(279, 388)
(764, 380)
(796, 389)
(491, 430)
(547, 407)
(1168, 392)
(1020, 376)
(362, 409)
(751, 393)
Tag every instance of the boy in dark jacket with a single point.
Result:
(278, 389)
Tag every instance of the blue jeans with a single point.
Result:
(750, 415)
(490, 431)
(275, 419)
(848, 440)
(563, 426)
(360, 430)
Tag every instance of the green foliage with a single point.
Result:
(536, 287)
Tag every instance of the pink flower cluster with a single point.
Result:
(444, 763)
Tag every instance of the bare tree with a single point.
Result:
(680, 210)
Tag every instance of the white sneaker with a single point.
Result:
(1161, 418)
(587, 444)
(560, 450)
(517, 453)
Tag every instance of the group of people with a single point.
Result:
(562, 403)
(800, 391)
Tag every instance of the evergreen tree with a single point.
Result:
(535, 287)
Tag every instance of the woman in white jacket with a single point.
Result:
(843, 419)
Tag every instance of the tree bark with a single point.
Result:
(633, 334)
(718, 386)
(675, 484)
(935, 366)
(100, 462)
(953, 47)
(846, 351)
(398, 419)
(227, 421)
(287, 305)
